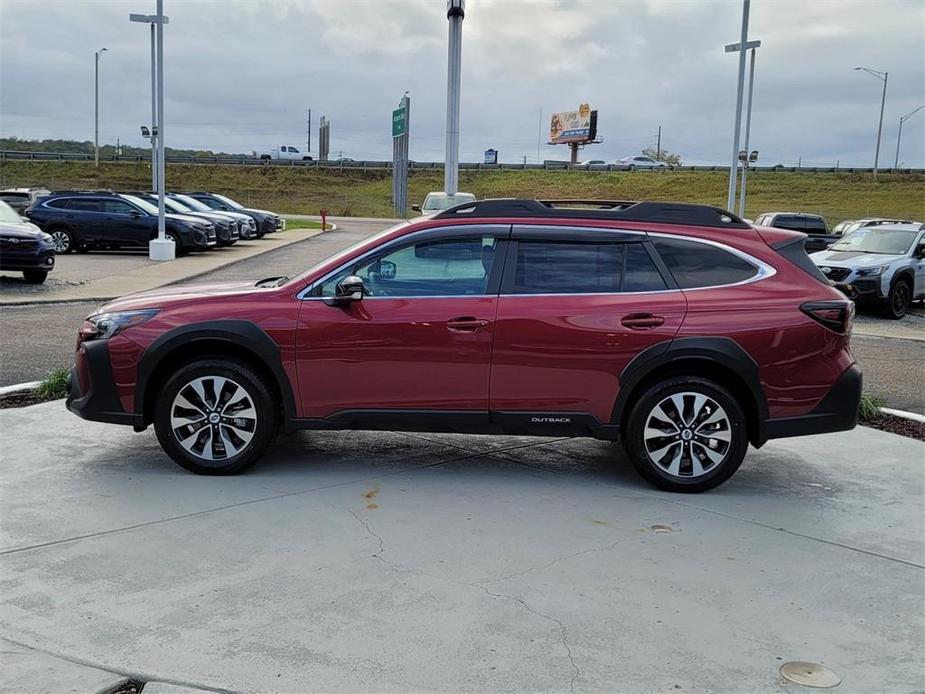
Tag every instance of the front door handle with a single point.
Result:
(466, 324)
(641, 321)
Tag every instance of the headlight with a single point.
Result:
(45, 237)
(103, 326)
(872, 271)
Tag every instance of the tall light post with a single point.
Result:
(160, 248)
(882, 76)
(152, 19)
(899, 137)
(96, 97)
(733, 166)
(732, 48)
(455, 11)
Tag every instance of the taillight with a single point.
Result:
(837, 316)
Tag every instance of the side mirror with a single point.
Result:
(920, 250)
(416, 208)
(135, 214)
(348, 290)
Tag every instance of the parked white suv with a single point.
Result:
(437, 201)
(882, 265)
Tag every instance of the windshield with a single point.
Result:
(192, 203)
(877, 240)
(143, 204)
(8, 214)
(228, 201)
(443, 202)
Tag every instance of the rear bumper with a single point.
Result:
(99, 402)
(837, 411)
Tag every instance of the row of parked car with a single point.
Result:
(81, 221)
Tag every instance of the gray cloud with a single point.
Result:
(240, 75)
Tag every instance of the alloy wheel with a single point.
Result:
(213, 418)
(61, 241)
(900, 299)
(687, 435)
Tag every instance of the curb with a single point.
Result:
(19, 387)
(912, 416)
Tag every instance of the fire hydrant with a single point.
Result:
(324, 218)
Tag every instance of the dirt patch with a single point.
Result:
(898, 425)
(23, 398)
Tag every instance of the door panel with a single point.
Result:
(121, 227)
(385, 353)
(565, 353)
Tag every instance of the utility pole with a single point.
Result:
(899, 137)
(733, 167)
(96, 97)
(658, 144)
(882, 76)
(539, 134)
(455, 12)
(160, 248)
(748, 128)
(308, 134)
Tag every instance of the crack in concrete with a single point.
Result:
(592, 550)
(563, 630)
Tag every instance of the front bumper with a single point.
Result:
(38, 261)
(862, 289)
(91, 391)
(837, 411)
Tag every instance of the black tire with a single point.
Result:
(631, 167)
(179, 248)
(899, 299)
(34, 276)
(63, 239)
(255, 389)
(714, 473)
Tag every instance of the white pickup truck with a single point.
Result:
(284, 152)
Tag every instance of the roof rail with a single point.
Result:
(100, 191)
(646, 211)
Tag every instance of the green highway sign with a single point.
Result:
(399, 122)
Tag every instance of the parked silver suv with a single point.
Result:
(882, 265)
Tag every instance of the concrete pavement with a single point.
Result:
(388, 562)
(101, 276)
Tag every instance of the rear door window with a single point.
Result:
(562, 267)
(695, 264)
(84, 204)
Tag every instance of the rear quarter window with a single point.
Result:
(694, 264)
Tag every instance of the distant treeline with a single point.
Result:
(86, 147)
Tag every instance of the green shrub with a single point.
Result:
(869, 408)
(54, 385)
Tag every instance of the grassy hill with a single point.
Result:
(358, 193)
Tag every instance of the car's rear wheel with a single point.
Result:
(215, 417)
(686, 434)
(62, 240)
(897, 303)
(34, 276)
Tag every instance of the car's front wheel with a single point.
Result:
(897, 303)
(215, 417)
(34, 276)
(686, 434)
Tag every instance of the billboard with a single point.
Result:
(573, 126)
(491, 156)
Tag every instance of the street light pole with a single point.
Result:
(455, 12)
(730, 197)
(882, 76)
(96, 98)
(152, 20)
(732, 48)
(899, 137)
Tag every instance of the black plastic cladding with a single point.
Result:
(660, 212)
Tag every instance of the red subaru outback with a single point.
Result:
(679, 329)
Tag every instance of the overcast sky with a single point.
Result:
(240, 74)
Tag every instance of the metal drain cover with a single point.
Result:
(809, 674)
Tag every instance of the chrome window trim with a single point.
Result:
(764, 271)
(301, 296)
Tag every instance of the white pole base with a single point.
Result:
(161, 249)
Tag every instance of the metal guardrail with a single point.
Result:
(15, 155)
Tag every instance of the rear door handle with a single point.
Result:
(641, 321)
(466, 323)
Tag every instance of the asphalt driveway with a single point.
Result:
(386, 562)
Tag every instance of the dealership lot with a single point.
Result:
(394, 562)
